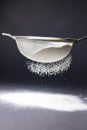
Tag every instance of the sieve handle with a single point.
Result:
(51, 39)
(9, 35)
(82, 38)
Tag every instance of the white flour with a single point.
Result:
(43, 69)
(53, 53)
(56, 102)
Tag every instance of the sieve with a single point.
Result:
(44, 49)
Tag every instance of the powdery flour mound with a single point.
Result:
(50, 101)
(54, 68)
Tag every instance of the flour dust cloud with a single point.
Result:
(54, 68)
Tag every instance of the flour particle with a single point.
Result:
(49, 69)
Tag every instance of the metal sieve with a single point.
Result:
(44, 49)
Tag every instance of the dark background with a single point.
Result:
(58, 18)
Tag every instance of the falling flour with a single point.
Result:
(54, 68)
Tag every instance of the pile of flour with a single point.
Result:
(54, 68)
(50, 101)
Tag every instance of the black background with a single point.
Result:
(58, 18)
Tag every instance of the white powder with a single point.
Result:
(51, 54)
(50, 101)
(43, 69)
